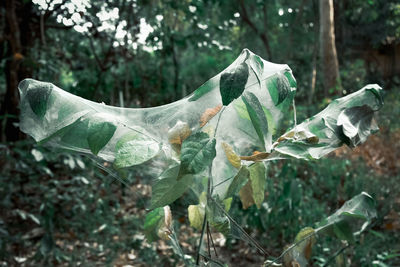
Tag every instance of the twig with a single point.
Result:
(208, 240)
(219, 118)
(340, 251)
(253, 241)
(203, 228)
(209, 194)
(316, 231)
(212, 260)
(212, 242)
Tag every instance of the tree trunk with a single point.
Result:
(330, 65)
(9, 108)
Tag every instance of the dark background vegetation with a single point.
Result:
(61, 209)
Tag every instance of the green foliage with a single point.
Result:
(204, 89)
(169, 188)
(191, 42)
(153, 221)
(330, 128)
(68, 210)
(279, 88)
(217, 218)
(197, 153)
(133, 149)
(99, 133)
(38, 98)
(174, 136)
(238, 182)
(344, 221)
(257, 116)
(232, 83)
(342, 224)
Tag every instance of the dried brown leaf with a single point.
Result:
(257, 156)
(209, 114)
(178, 133)
(246, 195)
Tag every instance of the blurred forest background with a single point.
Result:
(60, 209)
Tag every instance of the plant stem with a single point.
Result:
(340, 251)
(209, 193)
(212, 242)
(208, 240)
(253, 241)
(316, 231)
(219, 118)
(203, 228)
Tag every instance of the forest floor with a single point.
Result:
(97, 223)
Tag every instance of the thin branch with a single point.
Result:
(340, 251)
(203, 228)
(212, 260)
(98, 61)
(42, 32)
(253, 241)
(208, 239)
(212, 242)
(316, 231)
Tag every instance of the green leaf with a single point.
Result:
(258, 180)
(197, 153)
(343, 231)
(291, 79)
(357, 124)
(152, 223)
(351, 219)
(227, 203)
(279, 88)
(168, 188)
(99, 132)
(238, 182)
(257, 117)
(134, 148)
(217, 219)
(75, 135)
(38, 96)
(253, 191)
(204, 89)
(242, 112)
(196, 215)
(257, 65)
(233, 82)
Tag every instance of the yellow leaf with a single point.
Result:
(231, 155)
(209, 114)
(257, 156)
(227, 203)
(306, 246)
(178, 133)
(286, 136)
(301, 254)
(246, 195)
(300, 135)
(196, 215)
